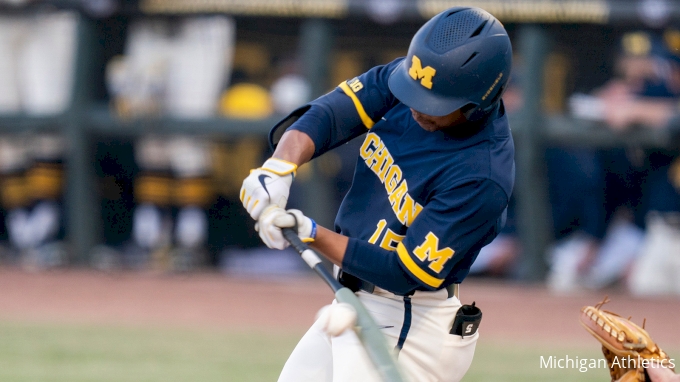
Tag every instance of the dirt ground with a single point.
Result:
(511, 312)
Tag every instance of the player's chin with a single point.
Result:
(428, 126)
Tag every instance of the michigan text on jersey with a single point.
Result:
(380, 161)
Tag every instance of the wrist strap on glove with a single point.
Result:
(312, 233)
(279, 166)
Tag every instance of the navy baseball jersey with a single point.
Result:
(422, 204)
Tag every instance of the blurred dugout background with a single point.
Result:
(126, 128)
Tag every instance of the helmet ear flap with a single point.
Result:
(473, 112)
(498, 95)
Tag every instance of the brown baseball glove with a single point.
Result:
(627, 347)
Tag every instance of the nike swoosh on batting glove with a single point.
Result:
(269, 184)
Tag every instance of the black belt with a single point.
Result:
(356, 284)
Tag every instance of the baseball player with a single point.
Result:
(431, 186)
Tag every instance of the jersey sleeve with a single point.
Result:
(345, 113)
(446, 236)
(440, 245)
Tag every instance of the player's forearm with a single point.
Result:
(295, 146)
(332, 245)
(378, 266)
(364, 260)
(654, 113)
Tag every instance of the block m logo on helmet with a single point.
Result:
(416, 71)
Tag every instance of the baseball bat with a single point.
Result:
(366, 329)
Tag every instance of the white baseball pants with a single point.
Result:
(416, 327)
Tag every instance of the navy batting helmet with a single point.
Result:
(460, 58)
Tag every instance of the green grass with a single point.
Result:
(60, 353)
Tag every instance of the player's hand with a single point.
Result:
(274, 218)
(269, 184)
(662, 374)
(306, 227)
(270, 233)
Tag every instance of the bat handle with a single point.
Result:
(294, 240)
(311, 258)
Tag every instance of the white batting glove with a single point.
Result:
(269, 184)
(271, 234)
(306, 227)
(274, 218)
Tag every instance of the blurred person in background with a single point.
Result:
(172, 192)
(174, 68)
(636, 181)
(649, 99)
(594, 241)
(32, 193)
(576, 191)
(37, 54)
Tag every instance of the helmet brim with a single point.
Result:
(417, 97)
